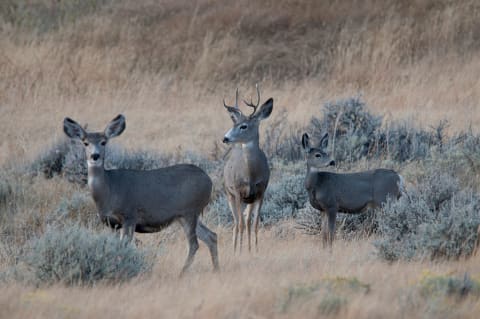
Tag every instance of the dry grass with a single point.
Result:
(252, 286)
(167, 65)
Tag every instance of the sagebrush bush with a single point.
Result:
(79, 207)
(285, 195)
(75, 255)
(355, 133)
(437, 220)
(351, 126)
(43, 16)
(218, 212)
(449, 286)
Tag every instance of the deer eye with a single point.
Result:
(103, 143)
(243, 126)
(318, 155)
(85, 143)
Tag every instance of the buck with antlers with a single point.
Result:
(346, 193)
(146, 201)
(246, 172)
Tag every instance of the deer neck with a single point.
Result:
(311, 177)
(251, 155)
(99, 188)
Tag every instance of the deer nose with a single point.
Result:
(95, 156)
(226, 140)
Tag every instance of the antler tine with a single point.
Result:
(251, 101)
(236, 101)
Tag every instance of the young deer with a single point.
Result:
(346, 193)
(146, 201)
(246, 170)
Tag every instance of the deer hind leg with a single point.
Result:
(210, 239)
(189, 226)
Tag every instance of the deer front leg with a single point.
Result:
(233, 207)
(241, 222)
(248, 223)
(332, 217)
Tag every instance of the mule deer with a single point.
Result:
(146, 201)
(246, 172)
(346, 193)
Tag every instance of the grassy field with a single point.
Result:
(287, 278)
(167, 65)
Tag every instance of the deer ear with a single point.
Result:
(305, 142)
(235, 114)
(324, 141)
(115, 127)
(265, 110)
(73, 129)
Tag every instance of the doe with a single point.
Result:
(346, 193)
(146, 201)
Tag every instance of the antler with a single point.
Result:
(236, 101)
(251, 102)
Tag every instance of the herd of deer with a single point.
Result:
(146, 201)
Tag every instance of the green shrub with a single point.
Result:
(75, 255)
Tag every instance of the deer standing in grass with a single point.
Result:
(346, 193)
(246, 172)
(146, 201)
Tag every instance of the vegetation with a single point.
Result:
(75, 255)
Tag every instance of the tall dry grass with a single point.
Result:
(283, 280)
(167, 65)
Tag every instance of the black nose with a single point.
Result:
(226, 140)
(332, 163)
(95, 156)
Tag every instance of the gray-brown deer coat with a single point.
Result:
(246, 171)
(347, 193)
(146, 201)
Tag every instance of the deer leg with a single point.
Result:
(241, 223)
(248, 223)
(189, 226)
(127, 230)
(325, 230)
(233, 207)
(332, 217)
(256, 219)
(210, 239)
